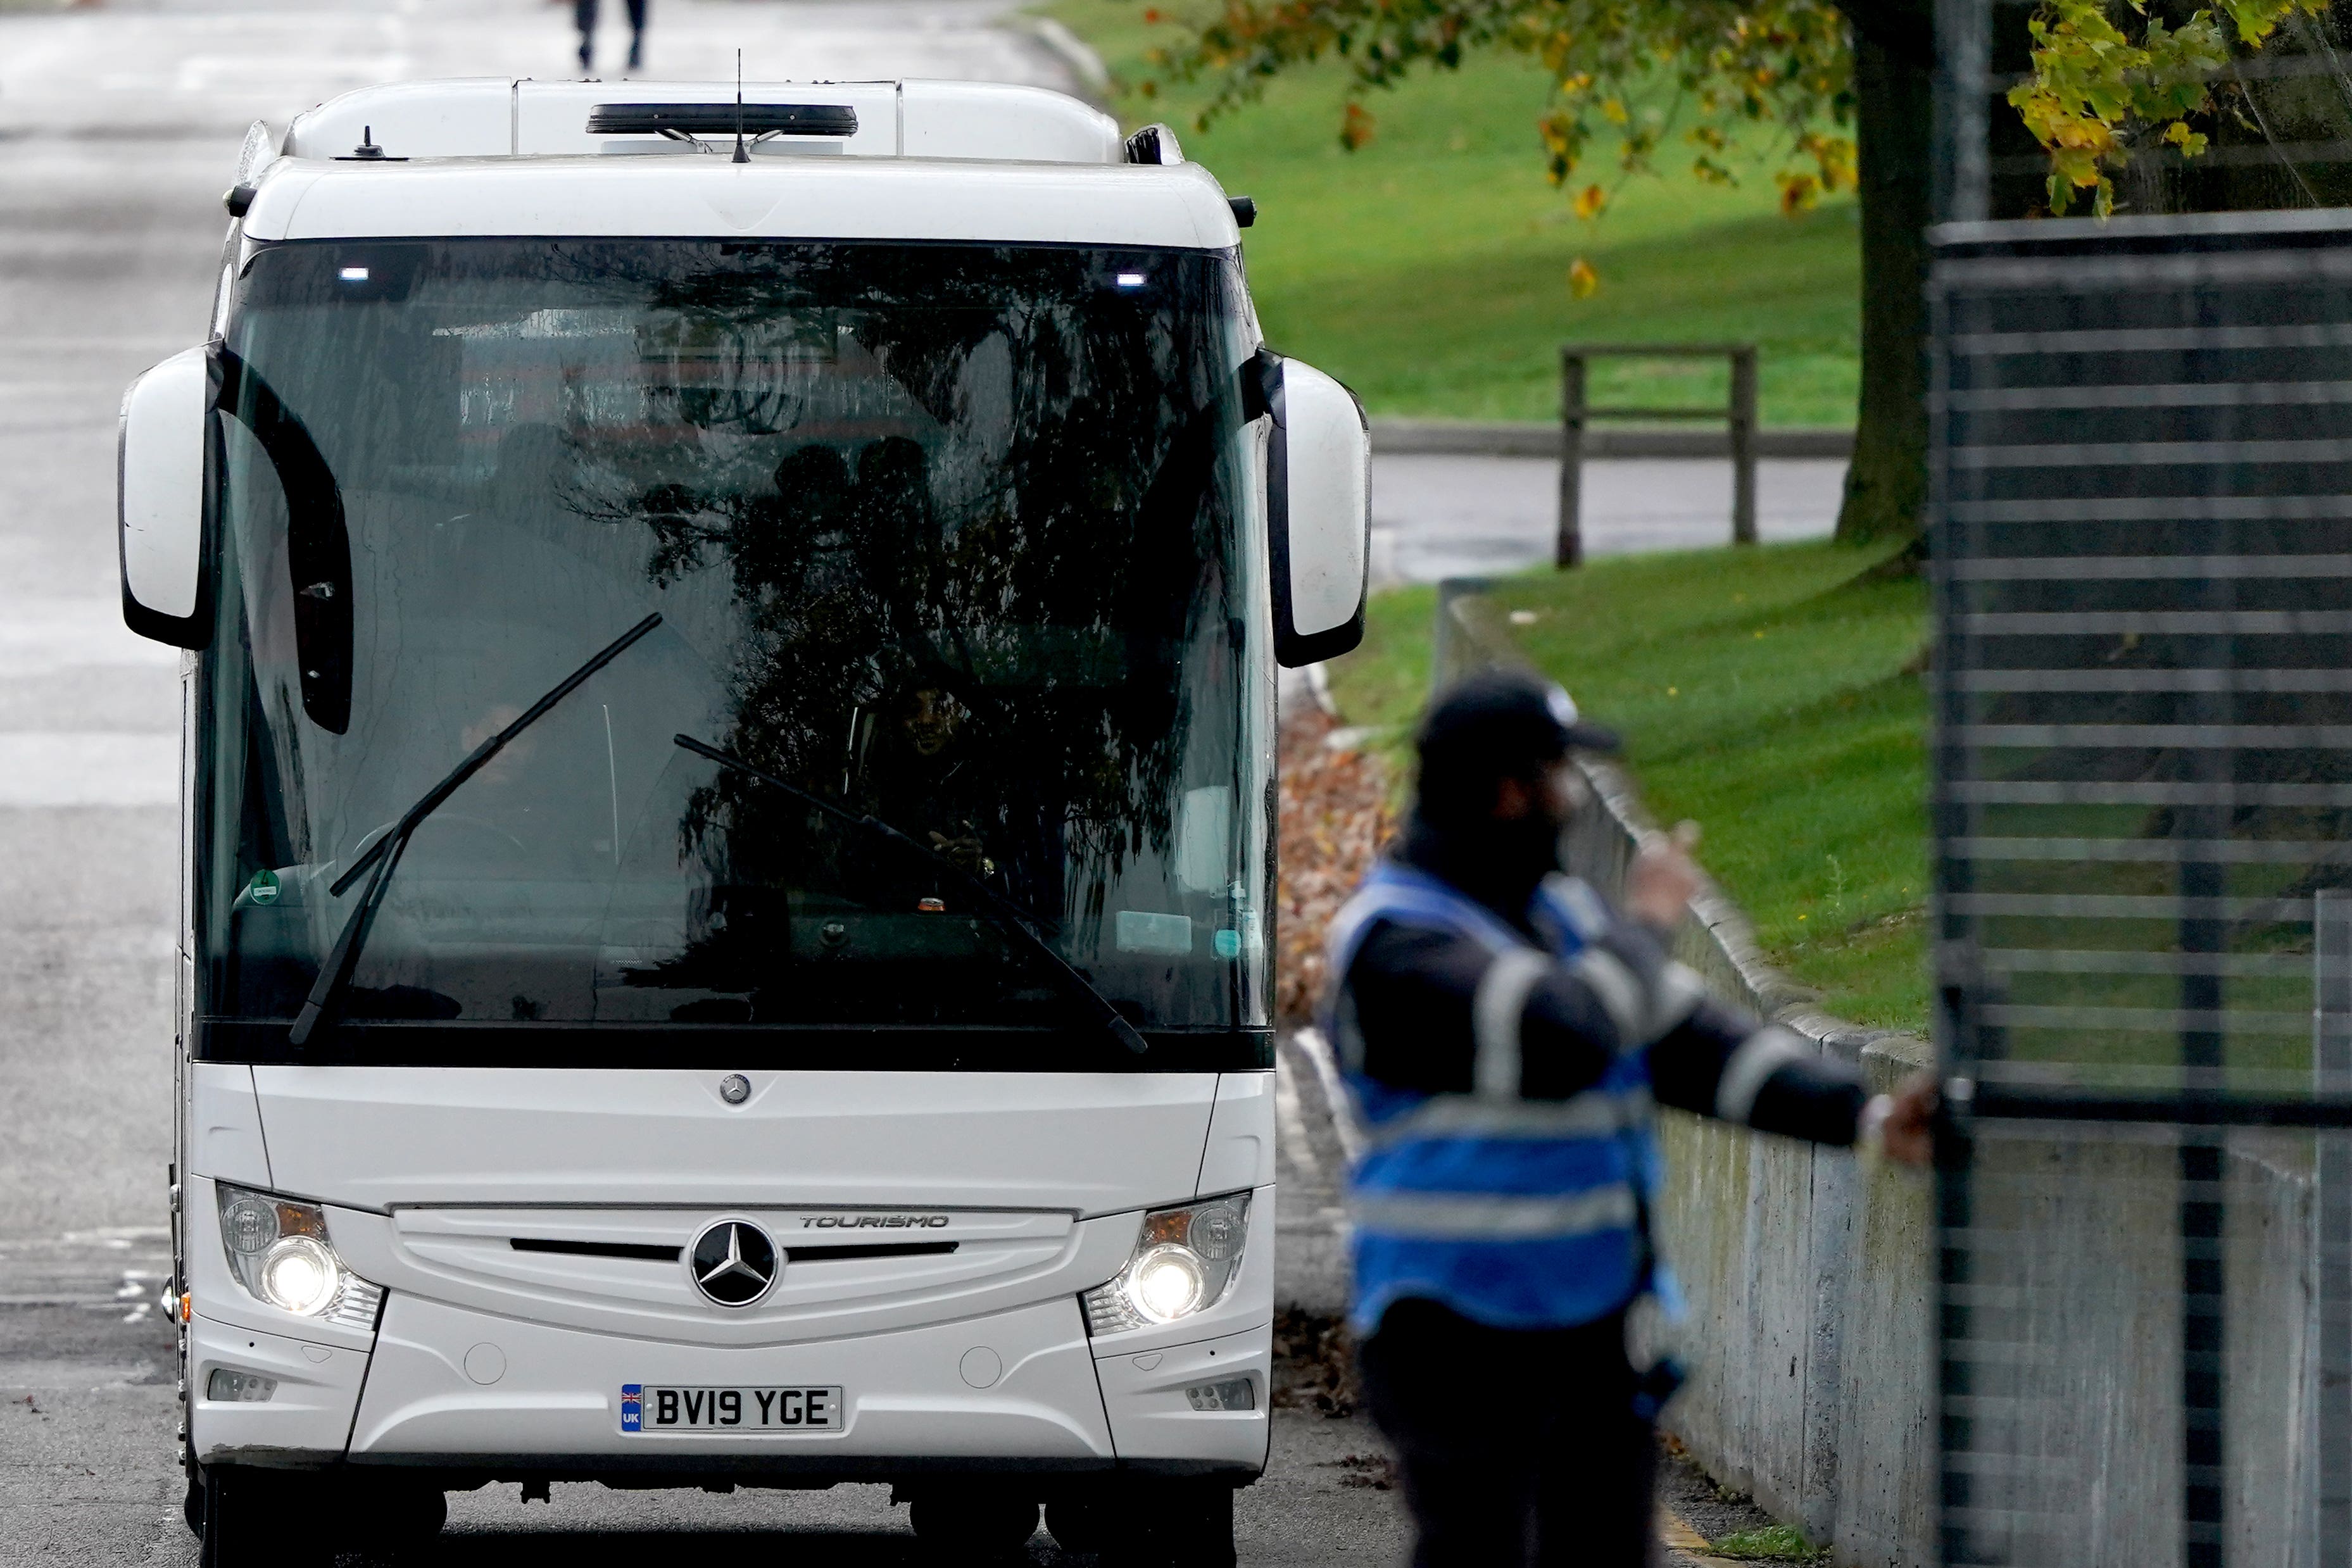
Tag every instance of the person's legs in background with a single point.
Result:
(583, 11)
(636, 34)
(1597, 1462)
(1449, 1401)
(1515, 1446)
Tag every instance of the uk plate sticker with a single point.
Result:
(633, 1408)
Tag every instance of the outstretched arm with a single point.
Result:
(1440, 1013)
(1768, 1077)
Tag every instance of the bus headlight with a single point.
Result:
(1166, 1283)
(300, 1275)
(1184, 1262)
(280, 1252)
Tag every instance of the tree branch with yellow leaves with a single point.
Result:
(2109, 79)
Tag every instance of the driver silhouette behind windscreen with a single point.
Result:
(921, 777)
(929, 772)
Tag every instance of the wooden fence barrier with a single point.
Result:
(1575, 413)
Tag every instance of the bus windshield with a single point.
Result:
(949, 537)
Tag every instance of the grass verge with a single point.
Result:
(1773, 1543)
(1429, 270)
(1768, 694)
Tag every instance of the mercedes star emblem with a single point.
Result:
(733, 1262)
(734, 1089)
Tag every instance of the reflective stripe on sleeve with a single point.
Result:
(1680, 992)
(1496, 1009)
(1595, 1113)
(1621, 992)
(1574, 900)
(1481, 1216)
(1759, 1056)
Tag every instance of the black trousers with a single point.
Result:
(584, 13)
(1517, 1446)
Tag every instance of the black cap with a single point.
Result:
(1493, 724)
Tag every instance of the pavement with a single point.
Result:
(1445, 516)
(118, 128)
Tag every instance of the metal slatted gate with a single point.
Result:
(2142, 538)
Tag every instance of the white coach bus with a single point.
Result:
(729, 798)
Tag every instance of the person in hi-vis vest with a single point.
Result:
(1507, 1035)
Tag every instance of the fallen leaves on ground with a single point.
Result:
(1314, 1363)
(1335, 818)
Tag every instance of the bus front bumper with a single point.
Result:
(475, 1394)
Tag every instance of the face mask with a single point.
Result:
(1532, 842)
(1498, 863)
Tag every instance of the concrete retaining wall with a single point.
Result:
(1812, 1326)
(1812, 1363)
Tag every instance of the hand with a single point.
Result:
(967, 854)
(1906, 1120)
(1659, 883)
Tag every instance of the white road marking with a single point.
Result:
(1335, 1093)
(1296, 1142)
(44, 349)
(302, 73)
(84, 1268)
(65, 767)
(43, 636)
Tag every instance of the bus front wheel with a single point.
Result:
(973, 1525)
(245, 1518)
(232, 1523)
(1149, 1524)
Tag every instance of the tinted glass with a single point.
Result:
(951, 536)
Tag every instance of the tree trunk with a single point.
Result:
(1886, 487)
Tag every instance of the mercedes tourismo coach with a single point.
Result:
(729, 801)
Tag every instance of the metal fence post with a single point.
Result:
(1567, 548)
(2332, 1073)
(1743, 446)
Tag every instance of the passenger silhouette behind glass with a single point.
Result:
(791, 535)
(892, 528)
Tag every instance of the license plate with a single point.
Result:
(653, 1408)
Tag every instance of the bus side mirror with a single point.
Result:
(161, 488)
(1318, 481)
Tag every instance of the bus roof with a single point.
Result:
(1180, 207)
(501, 117)
(909, 160)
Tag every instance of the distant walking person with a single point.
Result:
(1506, 1031)
(584, 12)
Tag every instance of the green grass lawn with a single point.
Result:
(1765, 693)
(1429, 270)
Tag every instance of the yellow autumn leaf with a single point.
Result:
(1799, 192)
(1589, 200)
(1581, 279)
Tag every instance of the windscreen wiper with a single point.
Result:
(335, 974)
(1007, 913)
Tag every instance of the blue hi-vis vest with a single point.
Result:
(1515, 1213)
